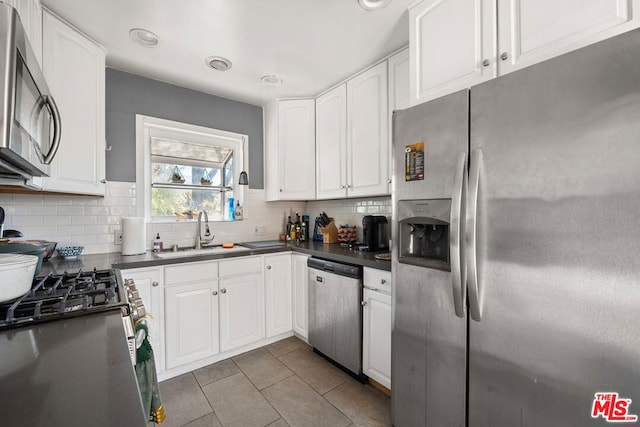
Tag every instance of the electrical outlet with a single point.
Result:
(260, 229)
(117, 237)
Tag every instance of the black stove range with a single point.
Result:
(58, 296)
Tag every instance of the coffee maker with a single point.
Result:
(374, 235)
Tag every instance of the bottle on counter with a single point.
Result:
(292, 232)
(232, 208)
(289, 225)
(157, 244)
(238, 211)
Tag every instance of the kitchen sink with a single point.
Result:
(201, 252)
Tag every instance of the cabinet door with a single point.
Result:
(297, 145)
(367, 133)
(150, 287)
(376, 336)
(191, 322)
(399, 94)
(331, 137)
(74, 68)
(277, 293)
(453, 46)
(300, 285)
(241, 310)
(534, 30)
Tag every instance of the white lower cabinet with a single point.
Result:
(241, 302)
(376, 326)
(277, 292)
(300, 287)
(241, 310)
(191, 312)
(191, 322)
(150, 285)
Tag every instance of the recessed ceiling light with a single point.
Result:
(144, 37)
(373, 4)
(218, 63)
(271, 80)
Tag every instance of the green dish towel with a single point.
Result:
(147, 379)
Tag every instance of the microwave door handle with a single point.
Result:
(458, 267)
(57, 129)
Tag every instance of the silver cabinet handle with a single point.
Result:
(475, 297)
(281, 190)
(363, 303)
(224, 291)
(388, 181)
(458, 280)
(348, 186)
(383, 281)
(103, 181)
(504, 56)
(215, 293)
(268, 267)
(155, 284)
(343, 186)
(486, 63)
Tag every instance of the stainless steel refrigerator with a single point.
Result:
(516, 247)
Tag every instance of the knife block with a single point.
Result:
(329, 233)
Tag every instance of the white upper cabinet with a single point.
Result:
(331, 140)
(367, 133)
(352, 135)
(453, 43)
(74, 68)
(531, 31)
(399, 93)
(290, 150)
(456, 44)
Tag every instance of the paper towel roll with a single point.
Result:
(133, 234)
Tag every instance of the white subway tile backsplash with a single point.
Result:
(92, 221)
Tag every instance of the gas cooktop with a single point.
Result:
(57, 296)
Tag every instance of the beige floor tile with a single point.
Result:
(183, 400)
(314, 370)
(237, 403)
(215, 372)
(301, 406)
(279, 423)
(207, 421)
(262, 368)
(287, 345)
(365, 406)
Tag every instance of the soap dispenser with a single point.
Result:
(157, 244)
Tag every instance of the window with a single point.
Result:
(184, 169)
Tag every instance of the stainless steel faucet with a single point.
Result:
(208, 237)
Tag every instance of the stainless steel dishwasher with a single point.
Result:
(335, 312)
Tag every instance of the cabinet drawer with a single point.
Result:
(240, 266)
(190, 272)
(377, 279)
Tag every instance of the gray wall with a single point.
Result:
(128, 95)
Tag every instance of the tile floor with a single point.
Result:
(282, 384)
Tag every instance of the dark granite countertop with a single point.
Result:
(74, 372)
(333, 252)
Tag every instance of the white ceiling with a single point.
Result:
(311, 45)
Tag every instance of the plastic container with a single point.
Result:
(232, 209)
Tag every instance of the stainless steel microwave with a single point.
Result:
(30, 126)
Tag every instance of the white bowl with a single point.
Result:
(16, 275)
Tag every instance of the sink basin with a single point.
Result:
(201, 252)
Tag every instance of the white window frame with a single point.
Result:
(147, 125)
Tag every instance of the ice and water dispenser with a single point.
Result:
(424, 233)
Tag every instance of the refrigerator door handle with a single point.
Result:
(458, 267)
(475, 294)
